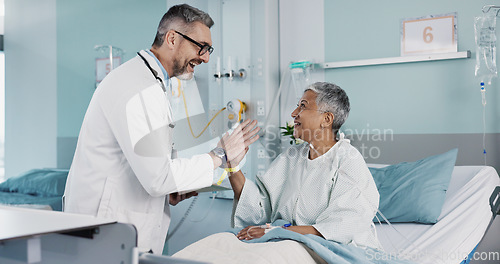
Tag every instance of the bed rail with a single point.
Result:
(495, 209)
(495, 202)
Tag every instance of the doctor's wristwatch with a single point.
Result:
(221, 153)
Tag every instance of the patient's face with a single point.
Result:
(307, 118)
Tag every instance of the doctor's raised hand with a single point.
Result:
(235, 144)
(234, 147)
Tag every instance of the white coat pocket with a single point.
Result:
(146, 224)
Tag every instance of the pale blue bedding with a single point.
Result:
(36, 187)
(13, 198)
(330, 251)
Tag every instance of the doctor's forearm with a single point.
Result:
(237, 181)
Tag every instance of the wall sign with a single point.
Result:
(429, 34)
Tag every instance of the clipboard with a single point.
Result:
(212, 188)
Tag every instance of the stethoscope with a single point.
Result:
(162, 85)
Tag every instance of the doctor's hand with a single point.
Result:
(250, 232)
(236, 144)
(175, 198)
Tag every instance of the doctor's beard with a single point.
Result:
(181, 71)
(185, 76)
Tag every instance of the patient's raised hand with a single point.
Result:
(250, 232)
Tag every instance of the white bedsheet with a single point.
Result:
(464, 218)
(225, 248)
(463, 221)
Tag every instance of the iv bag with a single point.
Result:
(484, 27)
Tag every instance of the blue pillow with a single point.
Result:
(414, 191)
(40, 182)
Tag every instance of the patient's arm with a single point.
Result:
(304, 230)
(251, 232)
(237, 181)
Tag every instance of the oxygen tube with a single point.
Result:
(178, 91)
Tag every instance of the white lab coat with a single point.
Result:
(123, 168)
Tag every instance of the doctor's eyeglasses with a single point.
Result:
(203, 47)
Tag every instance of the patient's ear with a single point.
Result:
(328, 119)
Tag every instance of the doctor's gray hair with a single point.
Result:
(179, 17)
(331, 98)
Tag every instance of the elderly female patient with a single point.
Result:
(323, 187)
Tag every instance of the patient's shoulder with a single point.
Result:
(351, 160)
(348, 153)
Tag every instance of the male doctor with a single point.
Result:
(123, 167)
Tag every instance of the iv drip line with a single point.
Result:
(483, 99)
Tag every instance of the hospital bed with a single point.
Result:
(469, 207)
(37, 189)
(468, 210)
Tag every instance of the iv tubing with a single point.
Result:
(189, 122)
(483, 101)
(484, 131)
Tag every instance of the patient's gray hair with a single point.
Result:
(331, 98)
(180, 17)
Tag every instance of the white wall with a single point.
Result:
(30, 85)
(302, 38)
(302, 31)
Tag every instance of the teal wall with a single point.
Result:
(30, 85)
(127, 24)
(440, 97)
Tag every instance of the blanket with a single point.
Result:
(330, 251)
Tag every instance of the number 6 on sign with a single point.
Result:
(431, 34)
(428, 37)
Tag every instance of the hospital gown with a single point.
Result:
(335, 193)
